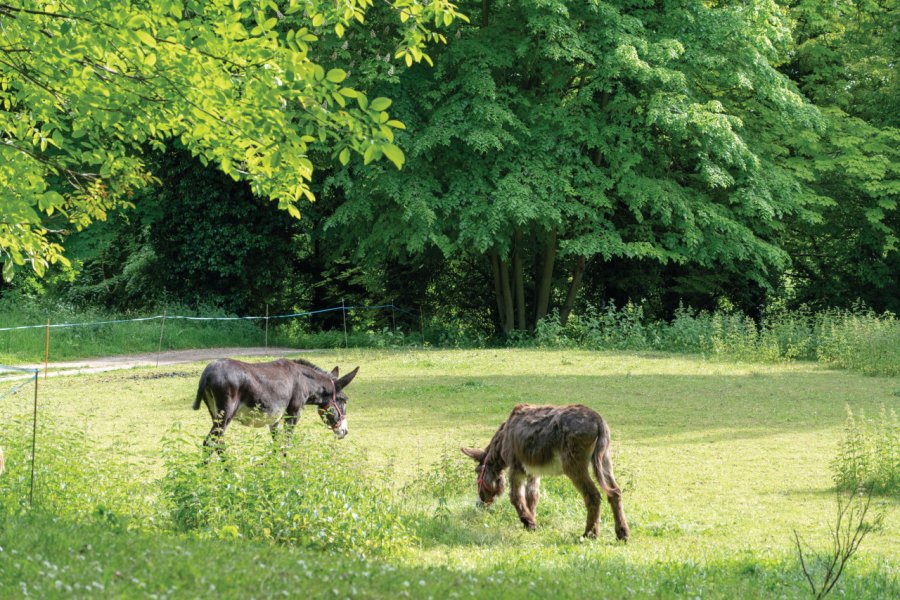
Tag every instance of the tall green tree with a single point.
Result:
(86, 86)
(844, 58)
(554, 134)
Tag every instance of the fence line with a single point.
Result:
(13, 390)
(187, 318)
(16, 388)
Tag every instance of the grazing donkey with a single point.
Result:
(258, 394)
(538, 441)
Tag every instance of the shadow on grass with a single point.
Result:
(46, 557)
(708, 408)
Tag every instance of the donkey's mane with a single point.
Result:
(316, 368)
(493, 453)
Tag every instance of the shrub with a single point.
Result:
(71, 480)
(318, 496)
(450, 476)
(869, 456)
(861, 340)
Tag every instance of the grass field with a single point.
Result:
(719, 463)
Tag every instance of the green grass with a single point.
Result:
(720, 462)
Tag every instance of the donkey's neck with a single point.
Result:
(493, 454)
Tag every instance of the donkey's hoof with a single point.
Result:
(590, 534)
(622, 533)
(530, 526)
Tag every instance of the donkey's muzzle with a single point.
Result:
(340, 430)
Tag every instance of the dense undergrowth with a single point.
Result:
(862, 340)
(313, 495)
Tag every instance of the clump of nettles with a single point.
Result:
(317, 495)
(72, 477)
(869, 456)
(452, 475)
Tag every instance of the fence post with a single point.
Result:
(33, 439)
(162, 327)
(267, 328)
(393, 316)
(47, 350)
(344, 312)
(422, 325)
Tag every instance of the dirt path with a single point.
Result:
(150, 359)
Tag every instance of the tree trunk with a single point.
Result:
(498, 292)
(507, 322)
(545, 281)
(573, 292)
(518, 280)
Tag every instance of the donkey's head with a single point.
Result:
(332, 401)
(490, 479)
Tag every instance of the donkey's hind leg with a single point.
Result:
(614, 496)
(213, 441)
(517, 496)
(581, 478)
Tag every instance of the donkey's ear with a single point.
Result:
(476, 454)
(334, 372)
(346, 379)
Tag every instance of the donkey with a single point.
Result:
(537, 441)
(259, 394)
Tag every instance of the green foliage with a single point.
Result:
(86, 87)
(842, 60)
(319, 495)
(862, 340)
(596, 130)
(443, 481)
(73, 479)
(195, 238)
(869, 456)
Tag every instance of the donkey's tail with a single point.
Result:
(602, 463)
(200, 390)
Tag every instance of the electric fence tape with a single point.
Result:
(187, 318)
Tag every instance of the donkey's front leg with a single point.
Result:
(517, 497)
(533, 495)
(290, 421)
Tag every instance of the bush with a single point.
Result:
(318, 496)
(450, 476)
(869, 456)
(860, 340)
(71, 480)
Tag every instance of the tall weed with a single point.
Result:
(71, 478)
(860, 340)
(317, 495)
(869, 456)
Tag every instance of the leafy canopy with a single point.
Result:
(87, 85)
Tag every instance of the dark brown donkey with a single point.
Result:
(537, 441)
(258, 394)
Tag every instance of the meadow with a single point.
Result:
(719, 463)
